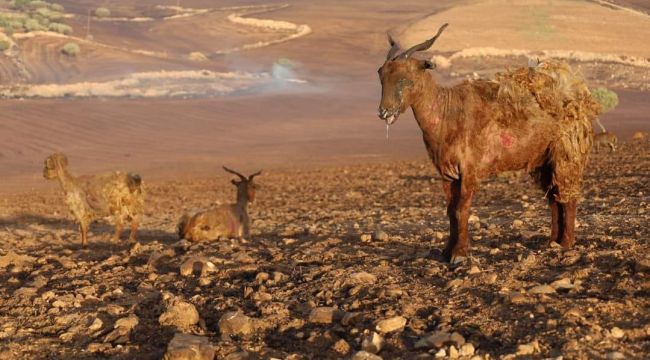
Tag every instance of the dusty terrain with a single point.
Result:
(317, 234)
(347, 222)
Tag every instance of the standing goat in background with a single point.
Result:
(538, 119)
(223, 221)
(115, 194)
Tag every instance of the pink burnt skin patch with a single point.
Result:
(507, 140)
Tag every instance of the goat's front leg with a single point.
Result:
(452, 195)
(134, 230)
(118, 230)
(569, 210)
(461, 249)
(83, 229)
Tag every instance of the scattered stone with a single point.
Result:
(235, 323)
(528, 349)
(434, 340)
(197, 264)
(380, 235)
(453, 353)
(441, 354)
(189, 347)
(365, 237)
(474, 270)
(341, 347)
(615, 355)
(179, 313)
(96, 325)
(541, 289)
(239, 355)
(372, 343)
(325, 315)
(122, 329)
(467, 349)
(617, 333)
(362, 278)
(391, 324)
(457, 338)
(364, 355)
(473, 219)
(262, 277)
(98, 347)
(517, 223)
(562, 284)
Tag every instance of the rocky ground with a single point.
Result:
(343, 262)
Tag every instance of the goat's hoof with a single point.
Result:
(457, 259)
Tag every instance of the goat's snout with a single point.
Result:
(389, 116)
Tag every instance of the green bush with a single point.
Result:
(607, 99)
(49, 14)
(33, 25)
(57, 7)
(71, 49)
(60, 28)
(4, 45)
(102, 12)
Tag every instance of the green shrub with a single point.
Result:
(60, 28)
(102, 12)
(33, 25)
(49, 14)
(38, 4)
(607, 99)
(4, 45)
(71, 49)
(57, 7)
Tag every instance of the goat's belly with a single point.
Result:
(508, 153)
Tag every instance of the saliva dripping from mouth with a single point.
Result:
(387, 128)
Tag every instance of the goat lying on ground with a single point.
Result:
(538, 119)
(605, 139)
(223, 221)
(114, 194)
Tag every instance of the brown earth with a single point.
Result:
(316, 236)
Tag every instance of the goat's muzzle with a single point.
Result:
(388, 116)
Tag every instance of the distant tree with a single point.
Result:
(102, 12)
(607, 99)
(71, 49)
(4, 45)
(60, 28)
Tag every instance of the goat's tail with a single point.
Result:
(182, 224)
(134, 181)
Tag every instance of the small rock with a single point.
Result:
(262, 276)
(528, 349)
(474, 270)
(380, 235)
(189, 347)
(364, 355)
(541, 289)
(325, 315)
(372, 343)
(179, 313)
(122, 329)
(96, 325)
(453, 353)
(362, 278)
(517, 223)
(342, 347)
(457, 338)
(442, 353)
(391, 324)
(473, 219)
(434, 340)
(617, 333)
(615, 355)
(467, 349)
(365, 237)
(235, 323)
(197, 264)
(562, 284)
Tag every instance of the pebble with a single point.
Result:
(362, 278)
(528, 349)
(391, 324)
(364, 355)
(96, 325)
(473, 219)
(517, 223)
(617, 333)
(179, 313)
(342, 347)
(186, 347)
(365, 237)
(380, 235)
(442, 353)
(615, 355)
(453, 353)
(235, 323)
(325, 315)
(372, 343)
(467, 349)
(434, 340)
(541, 289)
(562, 284)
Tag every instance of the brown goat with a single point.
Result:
(114, 194)
(538, 119)
(605, 139)
(222, 221)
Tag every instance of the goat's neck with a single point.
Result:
(66, 180)
(430, 104)
(242, 200)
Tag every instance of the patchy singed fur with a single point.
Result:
(533, 118)
(114, 194)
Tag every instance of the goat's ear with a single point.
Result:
(426, 64)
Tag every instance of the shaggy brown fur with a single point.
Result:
(224, 221)
(115, 194)
(537, 119)
(605, 139)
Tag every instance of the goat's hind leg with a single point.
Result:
(135, 222)
(569, 220)
(83, 230)
(118, 230)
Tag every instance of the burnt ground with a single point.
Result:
(310, 243)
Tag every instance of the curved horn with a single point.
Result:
(242, 177)
(393, 48)
(250, 177)
(423, 46)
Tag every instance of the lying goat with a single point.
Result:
(537, 119)
(223, 221)
(115, 194)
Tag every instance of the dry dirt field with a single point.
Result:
(333, 252)
(348, 226)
